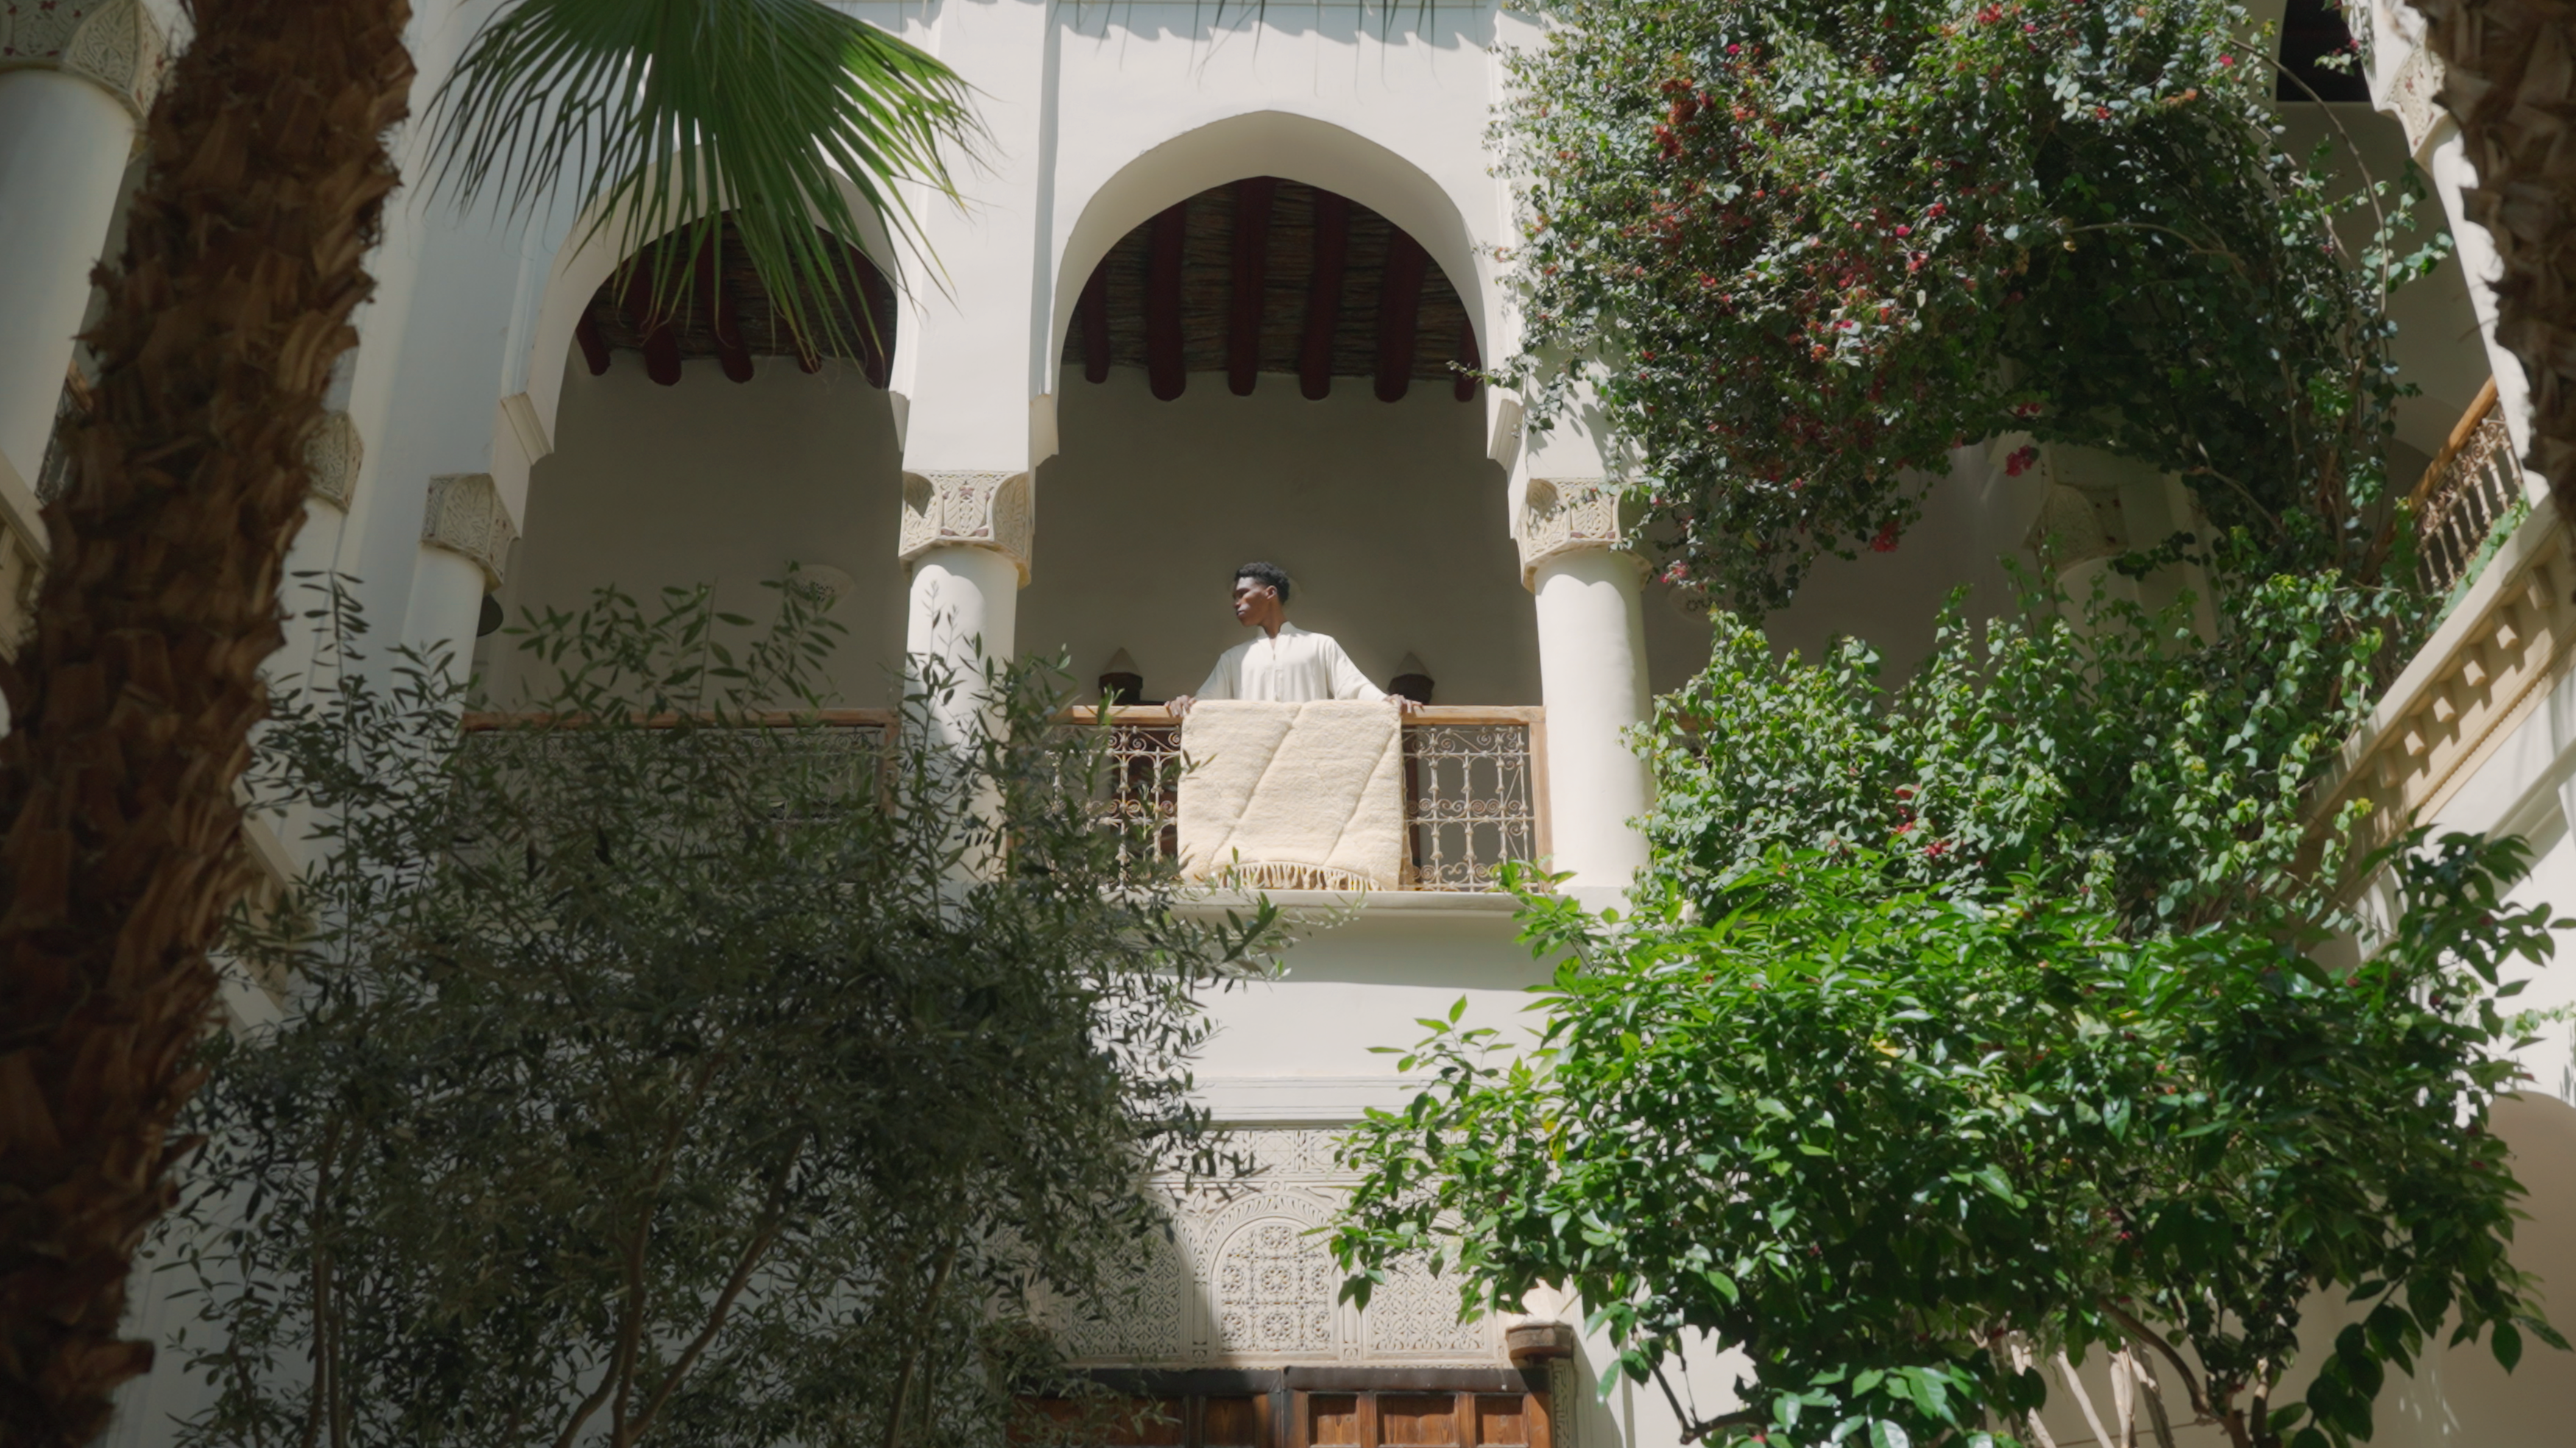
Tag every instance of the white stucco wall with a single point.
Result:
(723, 484)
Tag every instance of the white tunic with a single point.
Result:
(1297, 667)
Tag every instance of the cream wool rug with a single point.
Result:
(1293, 796)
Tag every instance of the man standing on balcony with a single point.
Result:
(1286, 665)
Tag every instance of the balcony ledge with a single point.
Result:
(2484, 669)
(1415, 903)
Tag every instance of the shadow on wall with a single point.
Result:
(1971, 519)
(713, 482)
(2459, 1398)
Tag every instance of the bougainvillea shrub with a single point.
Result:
(1803, 251)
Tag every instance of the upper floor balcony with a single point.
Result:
(1467, 795)
(2500, 562)
(1470, 795)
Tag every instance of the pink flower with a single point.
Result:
(2021, 461)
(1885, 542)
(2227, 60)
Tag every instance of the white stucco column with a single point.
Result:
(465, 538)
(77, 79)
(966, 539)
(1592, 675)
(2405, 76)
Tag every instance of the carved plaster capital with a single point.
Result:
(977, 510)
(466, 515)
(332, 454)
(116, 43)
(1567, 515)
(2411, 95)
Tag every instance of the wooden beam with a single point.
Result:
(1324, 295)
(1399, 315)
(661, 343)
(708, 281)
(594, 347)
(1163, 364)
(1091, 324)
(1251, 281)
(874, 318)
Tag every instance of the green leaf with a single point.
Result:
(655, 115)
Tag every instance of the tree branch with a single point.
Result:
(630, 1327)
(2083, 1398)
(912, 1354)
(756, 1251)
(2151, 1338)
(1694, 1427)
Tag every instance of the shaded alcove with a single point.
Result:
(1266, 369)
(719, 484)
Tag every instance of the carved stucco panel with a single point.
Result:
(116, 43)
(995, 510)
(1567, 515)
(333, 454)
(1245, 1281)
(465, 515)
(2411, 96)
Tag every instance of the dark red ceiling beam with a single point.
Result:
(1469, 359)
(1163, 365)
(661, 342)
(1251, 281)
(1399, 315)
(1091, 324)
(712, 295)
(872, 316)
(594, 347)
(1324, 295)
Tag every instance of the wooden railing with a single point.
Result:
(1475, 788)
(2473, 482)
(2447, 708)
(1475, 779)
(882, 720)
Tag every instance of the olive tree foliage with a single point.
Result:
(1803, 250)
(1901, 1146)
(674, 1065)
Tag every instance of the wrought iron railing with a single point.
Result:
(1474, 788)
(2473, 484)
(1474, 797)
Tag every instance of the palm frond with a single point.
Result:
(665, 115)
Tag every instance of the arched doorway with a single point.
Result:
(699, 440)
(1268, 369)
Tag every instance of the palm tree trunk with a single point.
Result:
(2510, 79)
(135, 698)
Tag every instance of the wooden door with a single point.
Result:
(1394, 1418)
